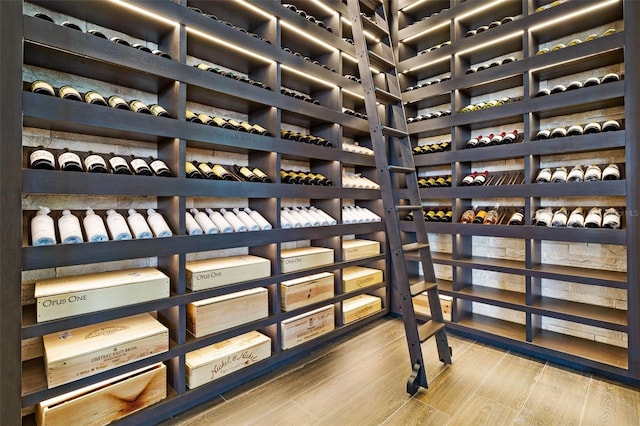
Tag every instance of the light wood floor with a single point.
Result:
(360, 380)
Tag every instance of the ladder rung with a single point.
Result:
(414, 246)
(395, 133)
(400, 169)
(428, 329)
(387, 97)
(421, 287)
(408, 208)
(374, 28)
(379, 62)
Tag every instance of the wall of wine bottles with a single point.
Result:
(161, 134)
(530, 119)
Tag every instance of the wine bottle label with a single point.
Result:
(559, 218)
(219, 171)
(139, 164)
(138, 106)
(159, 166)
(611, 219)
(593, 173)
(42, 87)
(190, 116)
(117, 162)
(42, 230)
(244, 171)
(611, 172)
(94, 160)
(221, 122)
(159, 111)
(544, 176)
(41, 154)
(594, 218)
(234, 123)
(259, 128)
(92, 97)
(68, 92)
(204, 168)
(544, 217)
(67, 158)
(248, 127)
(117, 102)
(468, 179)
(259, 173)
(516, 218)
(559, 175)
(576, 219)
(576, 175)
(204, 67)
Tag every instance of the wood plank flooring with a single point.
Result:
(360, 380)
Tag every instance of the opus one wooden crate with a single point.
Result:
(302, 328)
(306, 290)
(212, 362)
(359, 307)
(222, 312)
(210, 273)
(104, 402)
(421, 305)
(356, 277)
(81, 352)
(357, 249)
(63, 297)
(299, 258)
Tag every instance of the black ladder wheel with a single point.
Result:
(413, 384)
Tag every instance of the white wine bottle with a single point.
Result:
(517, 218)
(204, 222)
(40, 158)
(328, 218)
(611, 219)
(308, 216)
(251, 224)
(138, 225)
(158, 225)
(117, 226)
(298, 217)
(237, 224)
(43, 232)
(576, 174)
(576, 218)
(259, 219)
(544, 216)
(560, 217)
(43, 88)
(119, 165)
(94, 163)
(611, 172)
(223, 225)
(192, 226)
(70, 161)
(159, 167)
(69, 228)
(287, 217)
(94, 227)
(594, 218)
(139, 166)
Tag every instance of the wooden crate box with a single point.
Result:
(63, 297)
(81, 352)
(212, 362)
(299, 258)
(222, 312)
(306, 290)
(210, 273)
(358, 248)
(421, 305)
(302, 328)
(356, 277)
(104, 402)
(359, 307)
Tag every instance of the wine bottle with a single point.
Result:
(246, 173)
(610, 126)
(439, 216)
(204, 222)
(430, 215)
(220, 172)
(497, 139)
(193, 118)
(70, 161)
(237, 225)
(576, 174)
(138, 225)
(195, 172)
(324, 181)
(576, 218)
(141, 47)
(259, 219)
(94, 227)
(480, 215)
(221, 223)
(117, 226)
(611, 172)
(262, 175)
(159, 111)
(575, 130)
(609, 78)
(448, 216)
(441, 181)
(159, 167)
(69, 92)
(119, 165)
(492, 216)
(467, 180)
(69, 228)
(93, 97)
(558, 132)
(117, 102)
(560, 218)
(592, 81)
(472, 143)
(331, 220)
(261, 130)
(43, 88)
(592, 128)
(97, 34)
(121, 41)
(94, 163)
(480, 179)
(593, 173)
(594, 218)
(247, 127)
(158, 225)
(44, 17)
(543, 216)
(485, 140)
(287, 218)
(517, 218)
(43, 231)
(543, 134)
(322, 220)
(139, 166)
(40, 158)
(611, 219)
(221, 122)
(236, 125)
(161, 53)
(192, 226)
(138, 106)
(246, 219)
(559, 175)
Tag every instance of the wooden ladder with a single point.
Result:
(397, 179)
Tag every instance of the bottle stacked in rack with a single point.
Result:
(304, 217)
(225, 221)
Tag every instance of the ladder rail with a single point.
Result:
(390, 138)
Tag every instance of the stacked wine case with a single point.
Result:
(188, 35)
(564, 294)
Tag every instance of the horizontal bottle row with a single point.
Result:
(43, 229)
(578, 174)
(578, 129)
(488, 104)
(66, 160)
(92, 97)
(596, 217)
(224, 221)
(494, 215)
(493, 24)
(433, 214)
(304, 178)
(225, 123)
(233, 75)
(99, 34)
(496, 178)
(208, 170)
(576, 41)
(576, 84)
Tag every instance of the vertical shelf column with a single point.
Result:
(10, 198)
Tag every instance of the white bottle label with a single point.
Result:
(117, 162)
(69, 157)
(192, 226)
(42, 230)
(42, 154)
(158, 166)
(159, 226)
(93, 160)
(69, 228)
(260, 220)
(139, 226)
(220, 222)
(138, 163)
